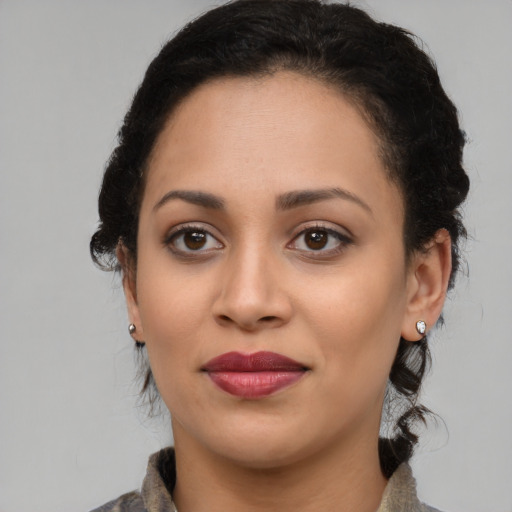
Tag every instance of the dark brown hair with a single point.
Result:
(379, 67)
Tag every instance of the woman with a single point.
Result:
(283, 207)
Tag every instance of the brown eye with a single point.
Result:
(194, 240)
(320, 240)
(316, 240)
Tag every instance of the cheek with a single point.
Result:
(172, 312)
(357, 321)
(172, 316)
(168, 297)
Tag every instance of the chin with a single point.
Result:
(262, 455)
(262, 443)
(267, 447)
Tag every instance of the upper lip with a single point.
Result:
(255, 362)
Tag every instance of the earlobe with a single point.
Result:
(130, 290)
(428, 280)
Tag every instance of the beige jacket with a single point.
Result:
(399, 495)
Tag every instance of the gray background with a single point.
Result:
(71, 434)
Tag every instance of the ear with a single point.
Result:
(427, 284)
(130, 289)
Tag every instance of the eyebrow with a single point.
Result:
(299, 198)
(287, 201)
(203, 199)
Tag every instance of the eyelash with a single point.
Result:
(171, 239)
(342, 239)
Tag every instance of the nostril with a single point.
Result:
(268, 318)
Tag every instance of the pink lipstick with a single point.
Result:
(253, 375)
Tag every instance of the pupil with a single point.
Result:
(194, 240)
(316, 239)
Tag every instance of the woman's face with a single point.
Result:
(271, 286)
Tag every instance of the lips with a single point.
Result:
(253, 375)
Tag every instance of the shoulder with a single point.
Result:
(400, 493)
(156, 488)
(129, 502)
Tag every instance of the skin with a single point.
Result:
(257, 284)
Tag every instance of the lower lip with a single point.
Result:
(254, 384)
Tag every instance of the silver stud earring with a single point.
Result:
(421, 327)
(131, 330)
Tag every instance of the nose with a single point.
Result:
(252, 293)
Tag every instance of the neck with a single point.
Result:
(347, 478)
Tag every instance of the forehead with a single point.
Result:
(267, 109)
(279, 132)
